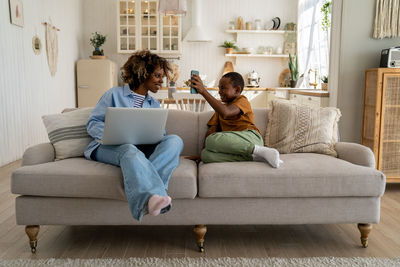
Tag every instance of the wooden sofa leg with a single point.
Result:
(32, 231)
(200, 231)
(365, 229)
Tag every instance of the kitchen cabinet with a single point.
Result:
(381, 119)
(310, 98)
(140, 26)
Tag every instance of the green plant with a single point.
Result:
(97, 40)
(326, 10)
(229, 44)
(293, 67)
(324, 79)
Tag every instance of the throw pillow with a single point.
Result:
(300, 128)
(67, 132)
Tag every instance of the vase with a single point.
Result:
(228, 50)
(324, 86)
(171, 90)
(293, 83)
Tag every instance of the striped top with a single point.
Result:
(138, 100)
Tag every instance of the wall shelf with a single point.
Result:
(235, 56)
(257, 31)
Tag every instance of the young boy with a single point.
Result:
(232, 134)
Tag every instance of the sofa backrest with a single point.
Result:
(184, 124)
(192, 127)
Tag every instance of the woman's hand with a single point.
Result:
(197, 84)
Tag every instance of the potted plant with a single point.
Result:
(324, 84)
(294, 70)
(97, 41)
(229, 46)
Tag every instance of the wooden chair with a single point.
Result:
(190, 102)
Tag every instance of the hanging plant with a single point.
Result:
(326, 10)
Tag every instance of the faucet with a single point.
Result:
(315, 83)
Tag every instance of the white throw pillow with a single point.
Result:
(299, 128)
(67, 132)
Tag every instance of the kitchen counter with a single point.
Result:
(301, 91)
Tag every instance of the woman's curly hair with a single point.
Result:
(141, 65)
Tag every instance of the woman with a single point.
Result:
(146, 168)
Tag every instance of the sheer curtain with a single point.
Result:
(313, 41)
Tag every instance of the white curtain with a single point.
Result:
(313, 41)
(387, 19)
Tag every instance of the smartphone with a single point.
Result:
(193, 90)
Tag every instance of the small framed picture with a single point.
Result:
(16, 12)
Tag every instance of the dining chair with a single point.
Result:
(190, 102)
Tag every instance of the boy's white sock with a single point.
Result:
(270, 155)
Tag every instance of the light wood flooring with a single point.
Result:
(179, 241)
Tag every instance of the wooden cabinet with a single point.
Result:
(381, 119)
(140, 26)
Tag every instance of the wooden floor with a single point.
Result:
(179, 241)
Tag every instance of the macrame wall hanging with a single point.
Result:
(52, 47)
(387, 19)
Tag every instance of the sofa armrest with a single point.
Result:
(38, 154)
(355, 153)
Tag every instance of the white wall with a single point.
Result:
(358, 53)
(208, 58)
(27, 91)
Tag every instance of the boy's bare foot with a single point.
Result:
(156, 203)
(270, 155)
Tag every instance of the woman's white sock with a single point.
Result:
(266, 154)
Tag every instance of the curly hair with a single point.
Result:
(141, 65)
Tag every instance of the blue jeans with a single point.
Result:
(146, 169)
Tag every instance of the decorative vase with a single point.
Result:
(229, 50)
(171, 90)
(98, 52)
(293, 83)
(324, 86)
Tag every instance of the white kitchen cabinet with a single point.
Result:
(140, 26)
(312, 101)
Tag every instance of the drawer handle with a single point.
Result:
(83, 86)
(309, 98)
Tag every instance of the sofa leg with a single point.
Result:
(32, 231)
(200, 231)
(365, 229)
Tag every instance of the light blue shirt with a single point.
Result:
(115, 97)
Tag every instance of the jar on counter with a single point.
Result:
(240, 23)
(257, 24)
(231, 25)
(248, 25)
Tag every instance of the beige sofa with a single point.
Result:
(307, 189)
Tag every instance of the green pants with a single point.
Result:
(231, 146)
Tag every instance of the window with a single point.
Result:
(313, 40)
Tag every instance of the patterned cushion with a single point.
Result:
(300, 128)
(67, 132)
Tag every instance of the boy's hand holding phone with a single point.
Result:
(197, 83)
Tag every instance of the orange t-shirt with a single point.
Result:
(243, 121)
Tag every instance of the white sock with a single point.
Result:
(156, 203)
(266, 154)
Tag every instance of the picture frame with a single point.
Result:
(16, 12)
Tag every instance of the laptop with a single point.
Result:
(136, 126)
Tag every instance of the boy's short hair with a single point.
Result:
(236, 79)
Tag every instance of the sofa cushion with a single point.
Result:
(301, 175)
(300, 128)
(78, 177)
(67, 132)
